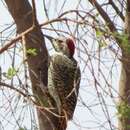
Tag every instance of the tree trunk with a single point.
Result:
(124, 89)
(21, 12)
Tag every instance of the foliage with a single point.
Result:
(11, 73)
(124, 41)
(123, 110)
(100, 38)
(32, 52)
(22, 128)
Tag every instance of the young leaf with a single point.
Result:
(11, 73)
(32, 51)
(22, 128)
(99, 33)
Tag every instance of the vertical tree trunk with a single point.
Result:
(21, 12)
(124, 89)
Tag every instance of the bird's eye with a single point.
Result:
(60, 41)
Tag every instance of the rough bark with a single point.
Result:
(124, 91)
(124, 85)
(21, 12)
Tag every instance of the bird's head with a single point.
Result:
(65, 46)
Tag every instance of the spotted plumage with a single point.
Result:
(64, 78)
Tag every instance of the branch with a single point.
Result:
(104, 16)
(117, 10)
(34, 13)
(13, 41)
(13, 88)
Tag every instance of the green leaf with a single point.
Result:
(128, 126)
(22, 128)
(32, 51)
(123, 110)
(125, 44)
(124, 38)
(11, 73)
(99, 33)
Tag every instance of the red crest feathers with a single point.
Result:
(71, 46)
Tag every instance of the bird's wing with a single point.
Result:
(71, 99)
(77, 79)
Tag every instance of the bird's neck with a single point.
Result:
(66, 54)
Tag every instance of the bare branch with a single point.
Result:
(34, 13)
(13, 41)
(117, 10)
(104, 15)
(13, 88)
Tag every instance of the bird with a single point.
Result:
(64, 77)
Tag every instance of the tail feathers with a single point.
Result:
(62, 123)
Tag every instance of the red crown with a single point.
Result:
(71, 46)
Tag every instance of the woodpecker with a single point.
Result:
(64, 76)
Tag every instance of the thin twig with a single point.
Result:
(117, 10)
(13, 88)
(104, 15)
(13, 41)
(34, 13)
